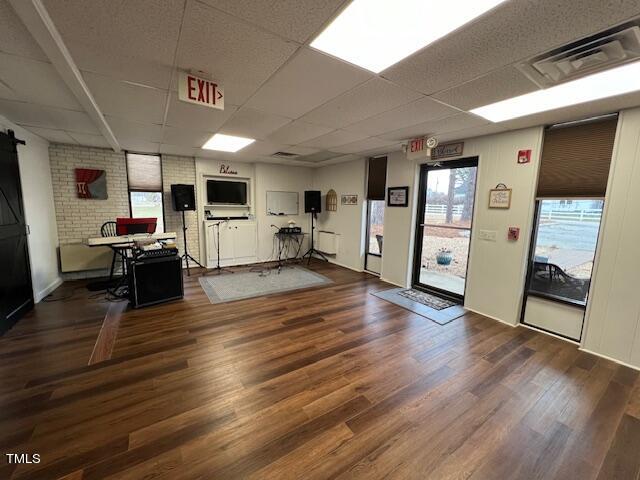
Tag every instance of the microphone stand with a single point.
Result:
(218, 269)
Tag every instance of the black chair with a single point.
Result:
(108, 229)
(550, 278)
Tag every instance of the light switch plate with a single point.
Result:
(488, 235)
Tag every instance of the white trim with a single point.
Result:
(492, 317)
(568, 340)
(38, 296)
(619, 362)
(334, 262)
(393, 283)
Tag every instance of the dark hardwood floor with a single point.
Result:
(328, 382)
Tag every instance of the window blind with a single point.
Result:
(144, 172)
(575, 159)
(377, 182)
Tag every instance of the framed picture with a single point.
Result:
(91, 184)
(398, 196)
(349, 199)
(500, 198)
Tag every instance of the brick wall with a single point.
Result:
(79, 219)
(180, 170)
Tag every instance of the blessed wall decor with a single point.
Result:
(227, 170)
(500, 197)
(349, 199)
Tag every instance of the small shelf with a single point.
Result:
(222, 205)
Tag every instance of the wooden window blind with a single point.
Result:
(144, 173)
(575, 159)
(377, 182)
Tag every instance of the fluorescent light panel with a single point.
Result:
(375, 34)
(617, 81)
(227, 143)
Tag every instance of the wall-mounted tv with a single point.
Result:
(222, 191)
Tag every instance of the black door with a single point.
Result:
(16, 295)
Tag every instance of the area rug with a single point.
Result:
(241, 285)
(441, 316)
(427, 299)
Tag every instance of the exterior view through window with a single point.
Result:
(375, 226)
(564, 249)
(146, 205)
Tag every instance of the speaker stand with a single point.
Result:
(185, 256)
(218, 269)
(312, 250)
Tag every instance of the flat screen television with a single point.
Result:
(231, 193)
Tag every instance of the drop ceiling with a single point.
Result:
(278, 90)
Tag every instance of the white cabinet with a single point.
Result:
(238, 243)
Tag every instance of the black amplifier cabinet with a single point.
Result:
(155, 280)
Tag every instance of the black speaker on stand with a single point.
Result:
(184, 198)
(313, 205)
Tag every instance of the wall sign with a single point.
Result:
(500, 197)
(447, 150)
(524, 156)
(349, 199)
(397, 196)
(91, 183)
(227, 170)
(193, 89)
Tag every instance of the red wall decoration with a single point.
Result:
(91, 183)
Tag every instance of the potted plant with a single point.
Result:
(444, 256)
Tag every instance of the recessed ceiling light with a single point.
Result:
(609, 83)
(375, 34)
(227, 143)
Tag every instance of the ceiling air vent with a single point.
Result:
(589, 55)
(284, 155)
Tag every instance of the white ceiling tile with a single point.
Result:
(184, 137)
(297, 132)
(89, 140)
(247, 122)
(187, 115)
(337, 158)
(36, 82)
(490, 129)
(239, 56)
(56, 136)
(511, 32)
(421, 110)
(178, 150)
(71, 121)
(363, 145)
(126, 130)
(333, 139)
(120, 99)
(7, 93)
(294, 19)
(14, 36)
(308, 80)
(372, 97)
(435, 127)
(318, 156)
(26, 114)
(133, 41)
(498, 85)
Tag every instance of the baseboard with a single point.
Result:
(559, 337)
(619, 362)
(392, 283)
(492, 317)
(48, 289)
(335, 262)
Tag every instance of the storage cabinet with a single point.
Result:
(238, 243)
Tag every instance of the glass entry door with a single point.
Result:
(443, 232)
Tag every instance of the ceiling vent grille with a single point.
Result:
(284, 155)
(589, 55)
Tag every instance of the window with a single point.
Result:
(375, 226)
(564, 249)
(144, 175)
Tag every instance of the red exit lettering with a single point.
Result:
(202, 91)
(417, 145)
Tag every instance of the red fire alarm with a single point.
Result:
(513, 234)
(524, 156)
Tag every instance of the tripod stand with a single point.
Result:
(218, 269)
(312, 250)
(185, 256)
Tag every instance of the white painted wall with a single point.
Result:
(348, 221)
(37, 193)
(612, 321)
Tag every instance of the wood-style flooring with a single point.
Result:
(327, 382)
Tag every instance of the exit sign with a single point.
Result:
(417, 149)
(201, 91)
